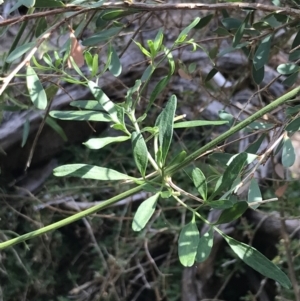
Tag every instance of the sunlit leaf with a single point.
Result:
(86, 171)
(205, 245)
(19, 51)
(115, 66)
(200, 182)
(188, 243)
(97, 143)
(254, 194)
(194, 123)
(81, 115)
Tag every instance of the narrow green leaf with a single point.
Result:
(293, 126)
(188, 244)
(142, 49)
(97, 143)
(293, 110)
(254, 194)
(287, 68)
(144, 213)
(100, 37)
(165, 124)
(41, 26)
(205, 245)
(115, 66)
(204, 21)
(117, 13)
(231, 173)
(254, 147)
(290, 80)
(107, 104)
(262, 53)
(194, 123)
(288, 153)
(170, 61)
(147, 73)
(26, 130)
(158, 40)
(211, 74)
(133, 94)
(158, 89)
(182, 36)
(140, 152)
(178, 159)
(36, 91)
(200, 182)
(87, 104)
(81, 115)
(240, 32)
(258, 75)
(231, 23)
(95, 64)
(232, 213)
(257, 261)
(220, 204)
(19, 51)
(86, 171)
(56, 127)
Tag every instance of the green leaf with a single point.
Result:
(211, 74)
(165, 124)
(254, 194)
(262, 53)
(178, 159)
(117, 13)
(258, 75)
(41, 26)
(288, 153)
(144, 213)
(254, 147)
(26, 130)
(80, 115)
(142, 49)
(133, 94)
(95, 64)
(158, 40)
(293, 110)
(86, 171)
(293, 126)
(257, 261)
(194, 123)
(19, 51)
(220, 204)
(226, 116)
(240, 32)
(204, 21)
(48, 4)
(97, 143)
(188, 243)
(200, 182)
(287, 68)
(231, 23)
(231, 173)
(205, 245)
(170, 61)
(88, 60)
(232, 213)
(158, 89)
(115, 66)
(87, 104)
(182, 36)
(290, 80)
(56, 127)
(107, 104)
(102, 36)
(36, 91)
(140, 152)
(147, 73)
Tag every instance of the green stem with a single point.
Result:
(210, 145)
(70, 219)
